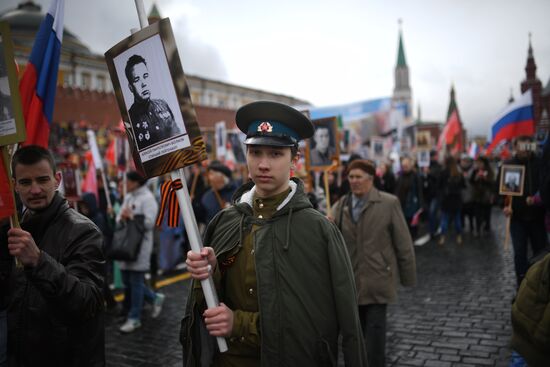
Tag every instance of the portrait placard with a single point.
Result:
(12, 124)
(323, 149)
(236, 142)
(423, 157)
(377, 148)
(209, 137)
(154, 101)
(221, 140)
(423, 140)
(512, 178)
(71, 180)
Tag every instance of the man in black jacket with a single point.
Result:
(54, 300)
(527, 223)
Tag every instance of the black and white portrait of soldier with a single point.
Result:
(511, 181)
(6, 112)
(323, 149)
(152, 119)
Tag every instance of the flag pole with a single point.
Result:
(14, 219)
(508, 199)
(98, 163)
(188, 216)
(126, 163)
(327, 191)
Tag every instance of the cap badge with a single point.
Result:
(265, 127)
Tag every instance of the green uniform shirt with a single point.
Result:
(240, 289)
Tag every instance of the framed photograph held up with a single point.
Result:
(512, 178)
(377, 148)
(12, 124)
(71, 180)
(323, 149)
(423, 158)
(154, 101)
(210, 140)
(236, 139)
(221, 140)
(423, 140)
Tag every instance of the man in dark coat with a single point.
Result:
(527, 223)
(55, 303)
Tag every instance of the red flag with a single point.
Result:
(7, 206)
(89, 184)
(451, 132)
(110, 154)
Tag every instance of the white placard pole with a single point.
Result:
(96, 157)
(188, 216)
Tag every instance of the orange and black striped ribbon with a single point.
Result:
(169, 200)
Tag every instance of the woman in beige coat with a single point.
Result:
(381, 252)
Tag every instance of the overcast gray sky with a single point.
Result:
(332, 52)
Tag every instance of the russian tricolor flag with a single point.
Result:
(38, 84)
(516, 120)
(473, 152)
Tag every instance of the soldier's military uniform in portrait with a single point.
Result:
(153, 121)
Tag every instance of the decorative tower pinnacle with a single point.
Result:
(402, 95)
(154, 14)
(452, 103)
(532, 82)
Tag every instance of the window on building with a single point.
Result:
(86, 81)
(67, 80)
(196, 98)
(101, 83)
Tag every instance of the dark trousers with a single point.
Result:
(135, 292)
(524, 232)
(483, 215)
(413, 230)
(468, 211)
(373, 323)
(434, 216)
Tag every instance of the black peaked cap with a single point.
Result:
(273, 123)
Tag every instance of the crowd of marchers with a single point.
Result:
(272, 234)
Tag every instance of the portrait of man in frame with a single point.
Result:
(154, 101)
(323, 147)
(511, 180)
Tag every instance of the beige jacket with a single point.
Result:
(379, 245)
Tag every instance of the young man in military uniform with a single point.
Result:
(281, 269)
(152, 119)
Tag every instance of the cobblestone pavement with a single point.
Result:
(458, 315)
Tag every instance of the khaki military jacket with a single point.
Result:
(379, 245)
(306, 290)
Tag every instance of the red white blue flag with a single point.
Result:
(38, 84)
(473, 152)
(516, 120)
